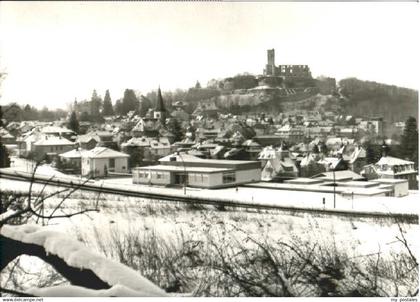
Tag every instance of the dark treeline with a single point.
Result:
(14, 112)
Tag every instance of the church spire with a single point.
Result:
(160, 106)
(160, 111)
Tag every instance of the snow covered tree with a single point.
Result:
(88, 273)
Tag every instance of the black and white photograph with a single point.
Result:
(209, 149)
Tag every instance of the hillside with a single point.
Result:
(356, 97)
(274, 101)
(365, 98)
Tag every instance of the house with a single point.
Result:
(277, 163)
(6, 138)
(102, 139)
(87, 141)
(333, 163)
(51, 145)
(290, 133)
(73, 158)
(309, 165)
(357, 159)
(188, 170)
(252, 148)
(57, 131)
(389, 167)
(100, 161)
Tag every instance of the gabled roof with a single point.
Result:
(55, 129)
(87, 138)
(393, 161)
(47, 140)
(75, 153)
(359, 152)
(103, 152)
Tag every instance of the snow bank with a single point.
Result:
(75, 254)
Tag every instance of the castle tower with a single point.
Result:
(270, 68)
(160, 111)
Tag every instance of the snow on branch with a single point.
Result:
(122, 279)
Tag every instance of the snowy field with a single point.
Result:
(174, 224)
(125, 227)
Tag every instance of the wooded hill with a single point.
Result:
(365, 98)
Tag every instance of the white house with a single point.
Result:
(389, 167)
(101, 160)
(192, 171)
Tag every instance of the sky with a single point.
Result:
(54, 52)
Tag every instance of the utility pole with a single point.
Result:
(185, 173)
(334, 185)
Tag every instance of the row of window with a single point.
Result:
(198, 177)
(57, 148)
(396, 169)
(157, 175)
(229, 177)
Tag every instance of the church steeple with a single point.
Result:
(160, 111)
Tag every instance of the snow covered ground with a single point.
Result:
(293, 199)
(174, 224)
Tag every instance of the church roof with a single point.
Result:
(160, 106)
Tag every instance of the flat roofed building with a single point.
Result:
(192, 171)
(346, 187)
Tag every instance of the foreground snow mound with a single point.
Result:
(122, 279)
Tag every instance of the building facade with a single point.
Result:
(191, 171)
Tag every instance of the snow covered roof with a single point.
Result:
(307, 160)
(48, 140)
(103, 152)
(55, 129)
(393, 161)
(343, 175)
(359, 152)
(250, 143)
(76, 153)
(87, 138)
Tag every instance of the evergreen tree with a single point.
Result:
(410, 141)
(372, 154)
(95, 104)
(175, 128)
(4, 157)
(108, 110)
(73, 122)
(129, 102)
(118, 107)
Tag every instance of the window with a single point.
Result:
(112, 163)
(158, 175)
(229, 177)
